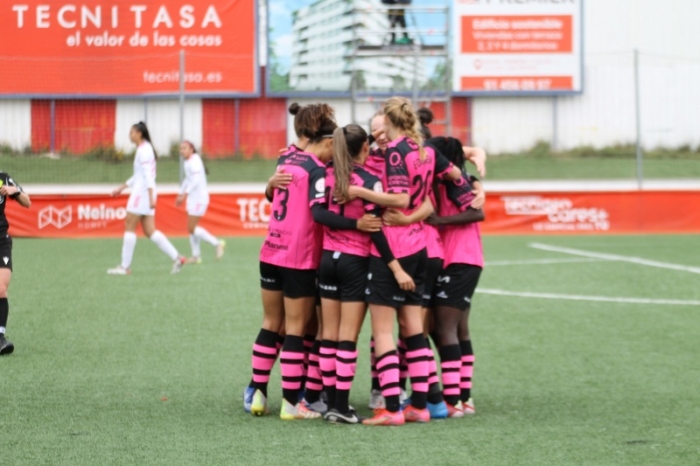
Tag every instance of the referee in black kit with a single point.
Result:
(8, 190)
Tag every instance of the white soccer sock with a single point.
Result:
(164, 245)
(194, 242)
(128, 248)
(204, 235)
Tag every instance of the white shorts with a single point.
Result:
(197, 207)
(140, 204)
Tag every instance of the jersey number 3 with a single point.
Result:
(283, 196)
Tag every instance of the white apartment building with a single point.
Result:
(323, 34)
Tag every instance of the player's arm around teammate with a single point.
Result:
(344, 266)
(9, 189)
(141, 206)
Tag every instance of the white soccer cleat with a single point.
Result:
(178, 264)
(468, 407)
(376, 400)
(403, 396)
(220, 249)
(119, 270)
(317, 406)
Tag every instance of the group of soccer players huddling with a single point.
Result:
(388, 221)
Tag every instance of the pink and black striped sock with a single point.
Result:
(345, 366)
(314, 382)
(373, 364)
(403, 366)
(467, 369)
(418, 369)
(434, 393)
(292, 367)
(328, 369)
(451, 365)
(308, 346)
(264, 357)
(388, 369)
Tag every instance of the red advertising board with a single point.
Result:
(127, 48)
(247, 214)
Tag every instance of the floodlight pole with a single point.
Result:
(640, 158)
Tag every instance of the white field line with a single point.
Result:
(615, 257)
(603, 299)
(540, 261)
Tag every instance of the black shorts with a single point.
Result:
(433, 272)
(456, 285)
(383, 288)
(293, 283)
(6, 252)
(343, 277)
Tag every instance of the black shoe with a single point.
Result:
(342, 418)
(6, 347)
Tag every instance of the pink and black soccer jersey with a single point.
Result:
(432, 235)
(352, 242)
(293, 238)
(406, 173)
(462, 242)
(375, 163)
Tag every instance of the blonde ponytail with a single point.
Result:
(402, 115)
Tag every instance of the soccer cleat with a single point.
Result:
(194, 260)
(416, 415)
(438, 410)
(317, 406)
(259, 405)
(456, 411)
(376, 400)
(290, 412)
(220, 249)
(382, 417)
(6, 347)
(248, 393)
(178, 264)
(336, 417)
(469, 407)
(119, 270)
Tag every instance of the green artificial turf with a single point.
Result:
(72, 170)
(149, 368)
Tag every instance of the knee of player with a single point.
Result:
(3, 290)
(191, 229)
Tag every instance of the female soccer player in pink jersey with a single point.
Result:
(344, 266)
(141, 207)
(271, 337)
(410, 169)
(464, 261)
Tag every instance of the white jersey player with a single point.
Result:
(194, 191)
(141, 207)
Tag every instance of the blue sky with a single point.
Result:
(280, 16)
